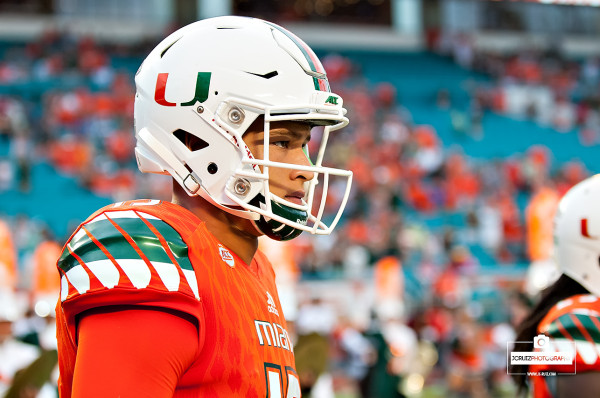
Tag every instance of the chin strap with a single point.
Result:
(276, 229)
(189, 180)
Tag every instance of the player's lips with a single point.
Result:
(296, 197)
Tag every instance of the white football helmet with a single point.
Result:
(212, 79)
(577, 234)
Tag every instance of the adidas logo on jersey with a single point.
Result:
(271, 304)
(226, 256)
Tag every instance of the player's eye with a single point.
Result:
(281, 144)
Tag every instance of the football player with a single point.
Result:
(568, 315)
(173, 299)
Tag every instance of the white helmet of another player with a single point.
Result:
(212, 79)
(577, 234)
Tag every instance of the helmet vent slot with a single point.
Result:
(188, 139)
(162, 54)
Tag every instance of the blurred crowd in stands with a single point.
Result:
(538, 84)
(402, 341)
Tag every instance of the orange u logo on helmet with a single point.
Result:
(200, 93)
(584, 229)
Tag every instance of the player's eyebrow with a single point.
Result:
(294, 133)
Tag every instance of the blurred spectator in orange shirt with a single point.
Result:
(8, 258)
(119, 145)
(45, 283)
(71, 154)
(539, 216)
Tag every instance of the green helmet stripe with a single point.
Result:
(321, 84)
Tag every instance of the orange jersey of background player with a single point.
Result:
(159, 256)
(574, 322)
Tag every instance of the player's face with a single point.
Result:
(287, 141)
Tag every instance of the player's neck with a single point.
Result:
(237, 234)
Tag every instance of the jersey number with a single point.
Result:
(275, 382)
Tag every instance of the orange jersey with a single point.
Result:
(158, 254)
(573, 322)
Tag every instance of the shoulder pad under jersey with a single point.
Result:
(575, 322)
(126, 250)
(576, 318)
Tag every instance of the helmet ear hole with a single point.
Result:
(192, 142)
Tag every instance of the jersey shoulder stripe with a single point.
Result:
(573, 313)
(576, 326)
(574, 323)
(128, 249)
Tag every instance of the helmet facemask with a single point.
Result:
(275, 216)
